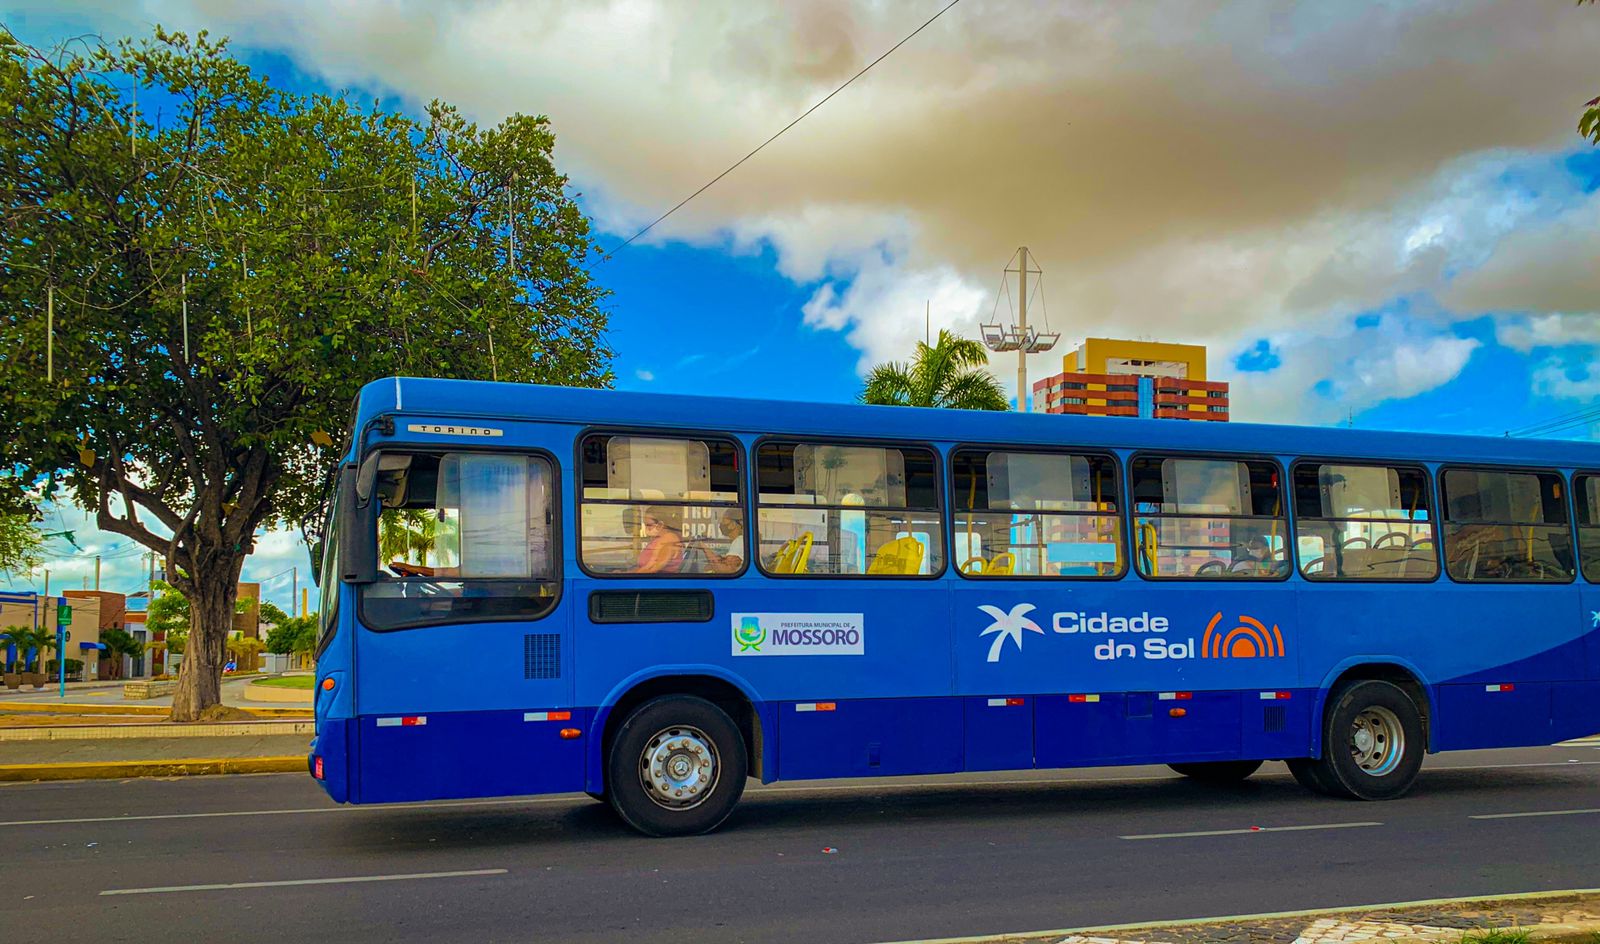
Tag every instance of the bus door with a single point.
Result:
(463, 654)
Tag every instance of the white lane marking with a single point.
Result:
(1536, 813)
(315, 809)
(230, 886)
(1553, 763)
(1250, 831)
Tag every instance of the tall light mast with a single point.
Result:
(1019, 337)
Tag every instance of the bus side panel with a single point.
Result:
(999, 733)
(1493, 715)
(468, 754)
(869, 738)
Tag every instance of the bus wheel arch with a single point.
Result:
(1403, 677)
(1373, 732)
(720, 692)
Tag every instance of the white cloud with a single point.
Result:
(645, 375)
(1524, 333)
(1321, 378)
(1553, 378)
(1212, 173)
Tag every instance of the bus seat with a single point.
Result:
(1003, 563)
(901, 556)
(802, 553)
(694, 561)
(974, 565)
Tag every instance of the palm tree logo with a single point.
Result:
(1008, 626)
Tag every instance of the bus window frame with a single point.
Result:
(1292, 571)
(1572, 513)
(1566, 503)
(1124, 528)
(1435, 495)
(803, 439)
(656, 432)
(370, 527)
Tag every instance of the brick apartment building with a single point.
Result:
(1106, 377)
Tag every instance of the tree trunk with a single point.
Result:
(211, 606)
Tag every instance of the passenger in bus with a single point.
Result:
(731, 560)
(663, 549)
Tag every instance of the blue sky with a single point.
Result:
(1370, 215)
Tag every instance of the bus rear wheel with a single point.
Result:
(1222, 771)
(676, 767)
(1372, 744)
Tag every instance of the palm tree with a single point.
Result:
(407, 533)
(952, 373)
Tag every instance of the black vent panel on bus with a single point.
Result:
(1274, 719)
(541, 656)
(650, 606)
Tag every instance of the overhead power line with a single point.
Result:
(736, 164)
(1564, 421)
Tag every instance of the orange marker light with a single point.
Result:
(1178, 712)
(327, 684)
(570, 734)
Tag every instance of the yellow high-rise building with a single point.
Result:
(1110, 377)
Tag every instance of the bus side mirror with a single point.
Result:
(316, 562)
(357, 538)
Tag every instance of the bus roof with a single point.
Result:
(487, 401)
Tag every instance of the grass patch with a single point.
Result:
(307, 682)
(1496, 936)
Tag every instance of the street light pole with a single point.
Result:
(1022, 330)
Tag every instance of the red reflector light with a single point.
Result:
(1185, 696)
(316, 768)
(825, 706)
(413, 721)
(560, 716)
(570, 734)
(1083, 699)
(1177, 712)
(1016, 701)
(1283, 696)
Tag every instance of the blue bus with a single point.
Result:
(651, 598)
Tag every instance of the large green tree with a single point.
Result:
(221, 264)
(952, 372)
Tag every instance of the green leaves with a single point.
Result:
(952, 373)
(228, 269)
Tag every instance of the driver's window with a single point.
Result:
(1506, 527)
(1209, 518)
(1364, 522)
(462, 536)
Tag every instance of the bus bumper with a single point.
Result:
(328, 760)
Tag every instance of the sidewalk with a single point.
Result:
(1568, 916)
(46, 742)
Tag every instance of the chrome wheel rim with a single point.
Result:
(679, 767)
(1377, 741)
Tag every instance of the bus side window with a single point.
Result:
(1586, 492)
(1209, 519)
(1364, 522)
(826, 509)
(1504, 526)
(1032, 514)
(653, 506)
(462, 537)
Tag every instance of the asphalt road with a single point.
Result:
(931, 857)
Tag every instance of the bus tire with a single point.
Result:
(1222, 771)
(676, 767)
(1372, 744)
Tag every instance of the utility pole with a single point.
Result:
(305, 601)
(294, 587)
(1022, 329)
(47, 583)
(97, 573)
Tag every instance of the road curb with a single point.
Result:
(154, 710)
(117, 770)
(1102, 930)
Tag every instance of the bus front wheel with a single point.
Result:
(1372, 744)
(1222, 771)
(676, 767)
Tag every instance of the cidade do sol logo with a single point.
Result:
(1248, 638)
